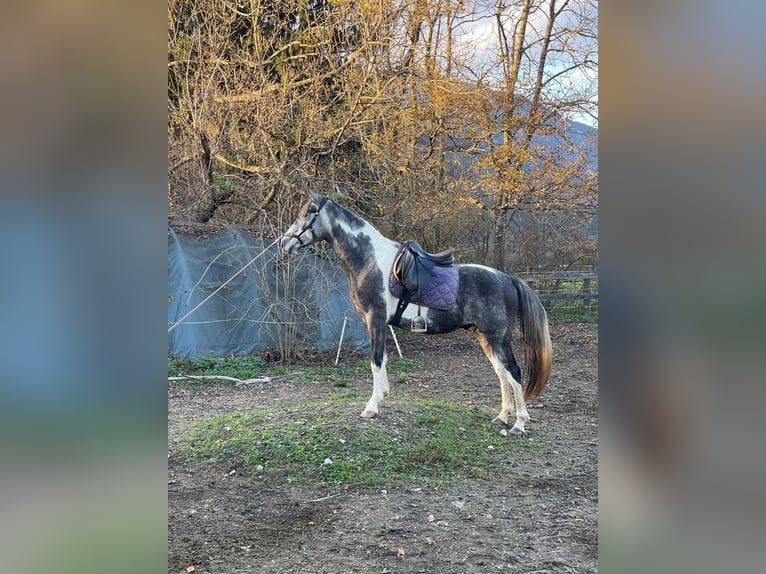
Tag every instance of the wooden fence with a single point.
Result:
(578, 287)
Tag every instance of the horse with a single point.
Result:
(486, 304)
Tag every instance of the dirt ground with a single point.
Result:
(541, 518)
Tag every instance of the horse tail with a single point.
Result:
(537, 339)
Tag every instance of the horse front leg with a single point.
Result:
(378, 361)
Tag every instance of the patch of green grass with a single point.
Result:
(568, 315)
(342, 375)
(239, 367)
(415, 441)
(359, 368)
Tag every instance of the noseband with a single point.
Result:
(310, 224)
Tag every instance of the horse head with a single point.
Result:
(307, 228)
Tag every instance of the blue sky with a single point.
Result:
(476, 46)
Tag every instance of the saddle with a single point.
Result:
(413, 268)
(413, 265)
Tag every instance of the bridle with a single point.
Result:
(309, 225)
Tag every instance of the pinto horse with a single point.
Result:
(486, 304)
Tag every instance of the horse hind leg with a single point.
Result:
(502, 375)
(511, 386)
(522, 416)
(512, 374)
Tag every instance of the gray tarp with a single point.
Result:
(306, 296)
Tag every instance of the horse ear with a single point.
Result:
(314, 196)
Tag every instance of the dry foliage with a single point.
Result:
(397, 107)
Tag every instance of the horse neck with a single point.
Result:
(345, 241)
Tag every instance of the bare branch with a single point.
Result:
(239, 382)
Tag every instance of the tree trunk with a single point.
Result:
(511, 58)
(535, 105)
(210, 199)
(498, 248)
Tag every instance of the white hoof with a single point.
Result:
(368, 414)
(501, 420)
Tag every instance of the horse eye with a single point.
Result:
(313, 209)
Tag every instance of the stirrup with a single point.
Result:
(419, 324)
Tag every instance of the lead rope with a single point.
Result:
(206, 299)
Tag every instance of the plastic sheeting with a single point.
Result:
(279, 300)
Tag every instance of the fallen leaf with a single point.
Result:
(400, 551)
(190, 568)
(429, 540)
(431, 518)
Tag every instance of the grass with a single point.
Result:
(341, 375)
(242, 367)
(416, 440)
(568, 312)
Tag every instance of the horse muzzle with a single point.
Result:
(288, 244)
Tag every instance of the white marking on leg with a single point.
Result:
(522, 416)
(384, 377)
(380, 388)
(502, 375)
(505, 391)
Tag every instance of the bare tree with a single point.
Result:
(533, 167)
(266, 97)
(388, 105)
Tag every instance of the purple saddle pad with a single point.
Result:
(440, 293)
